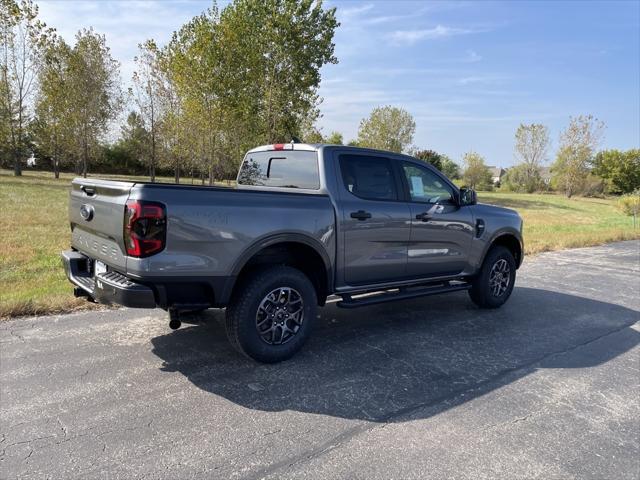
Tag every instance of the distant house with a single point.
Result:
(545, 174)
(496, 174)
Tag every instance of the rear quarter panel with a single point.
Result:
(209, 228)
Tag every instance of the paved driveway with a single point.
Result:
(546, 387)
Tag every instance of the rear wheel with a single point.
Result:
(272, 314)
(494, 284)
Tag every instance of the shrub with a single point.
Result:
(621, 170)
(593, 186)
(630, 204)
(521, 179)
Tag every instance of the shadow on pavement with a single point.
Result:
(384, 362)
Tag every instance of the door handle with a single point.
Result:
(424, 216)
(360, 215)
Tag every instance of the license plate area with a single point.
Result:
(99, 267)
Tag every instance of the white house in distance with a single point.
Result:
(496, 174)
(545, 174)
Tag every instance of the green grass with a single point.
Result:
(34, 229)
(554, 222)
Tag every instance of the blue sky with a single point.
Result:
(469, 72)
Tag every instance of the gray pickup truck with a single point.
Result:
(303, 223)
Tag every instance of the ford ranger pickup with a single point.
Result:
(304, 222)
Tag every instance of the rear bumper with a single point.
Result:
(109, 287)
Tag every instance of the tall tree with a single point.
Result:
(147, 81)
(173, 127)
(273, 52)
(135, 140)
(578, 143)
(476, 173)
(50, 129)
(387, 128)
(531, 149)
(194, 60)
(22, 36)
(94, 92)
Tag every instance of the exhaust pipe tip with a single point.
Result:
(174, 320)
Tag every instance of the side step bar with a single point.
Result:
(403, 294)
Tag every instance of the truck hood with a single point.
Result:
(494, 210)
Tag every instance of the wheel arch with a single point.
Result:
(294, 250)
(512, 242)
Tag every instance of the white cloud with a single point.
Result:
(472, 56)
(409, 37)
(351, 12)
(482, 80)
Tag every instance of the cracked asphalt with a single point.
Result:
(546, 387)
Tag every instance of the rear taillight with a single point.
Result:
(145, 228)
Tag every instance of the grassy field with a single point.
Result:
(554, 222)
(34, 229)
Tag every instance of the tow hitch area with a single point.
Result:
(108, 287)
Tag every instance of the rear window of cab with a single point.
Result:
(286, 169)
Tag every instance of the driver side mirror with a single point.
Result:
(468, 196)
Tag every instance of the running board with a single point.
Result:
(403, 294)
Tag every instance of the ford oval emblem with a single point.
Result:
(86, 212)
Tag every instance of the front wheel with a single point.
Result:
(271, 315)
(494, 284)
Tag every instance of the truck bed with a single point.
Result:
(208, 228)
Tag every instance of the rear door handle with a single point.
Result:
(360, 215)
(424, 216)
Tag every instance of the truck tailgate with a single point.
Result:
(96, 213)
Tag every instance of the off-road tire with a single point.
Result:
(482, 290)
(243, 308)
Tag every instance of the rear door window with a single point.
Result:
(288, 169)
(368, 177)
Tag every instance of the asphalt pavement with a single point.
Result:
(546, 387)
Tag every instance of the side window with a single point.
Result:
(426, 186)
(368, 177)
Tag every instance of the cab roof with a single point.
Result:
(306, 147)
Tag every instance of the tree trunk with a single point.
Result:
(85, 160)
(17, 167)
(56, 168)
(176, 173)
